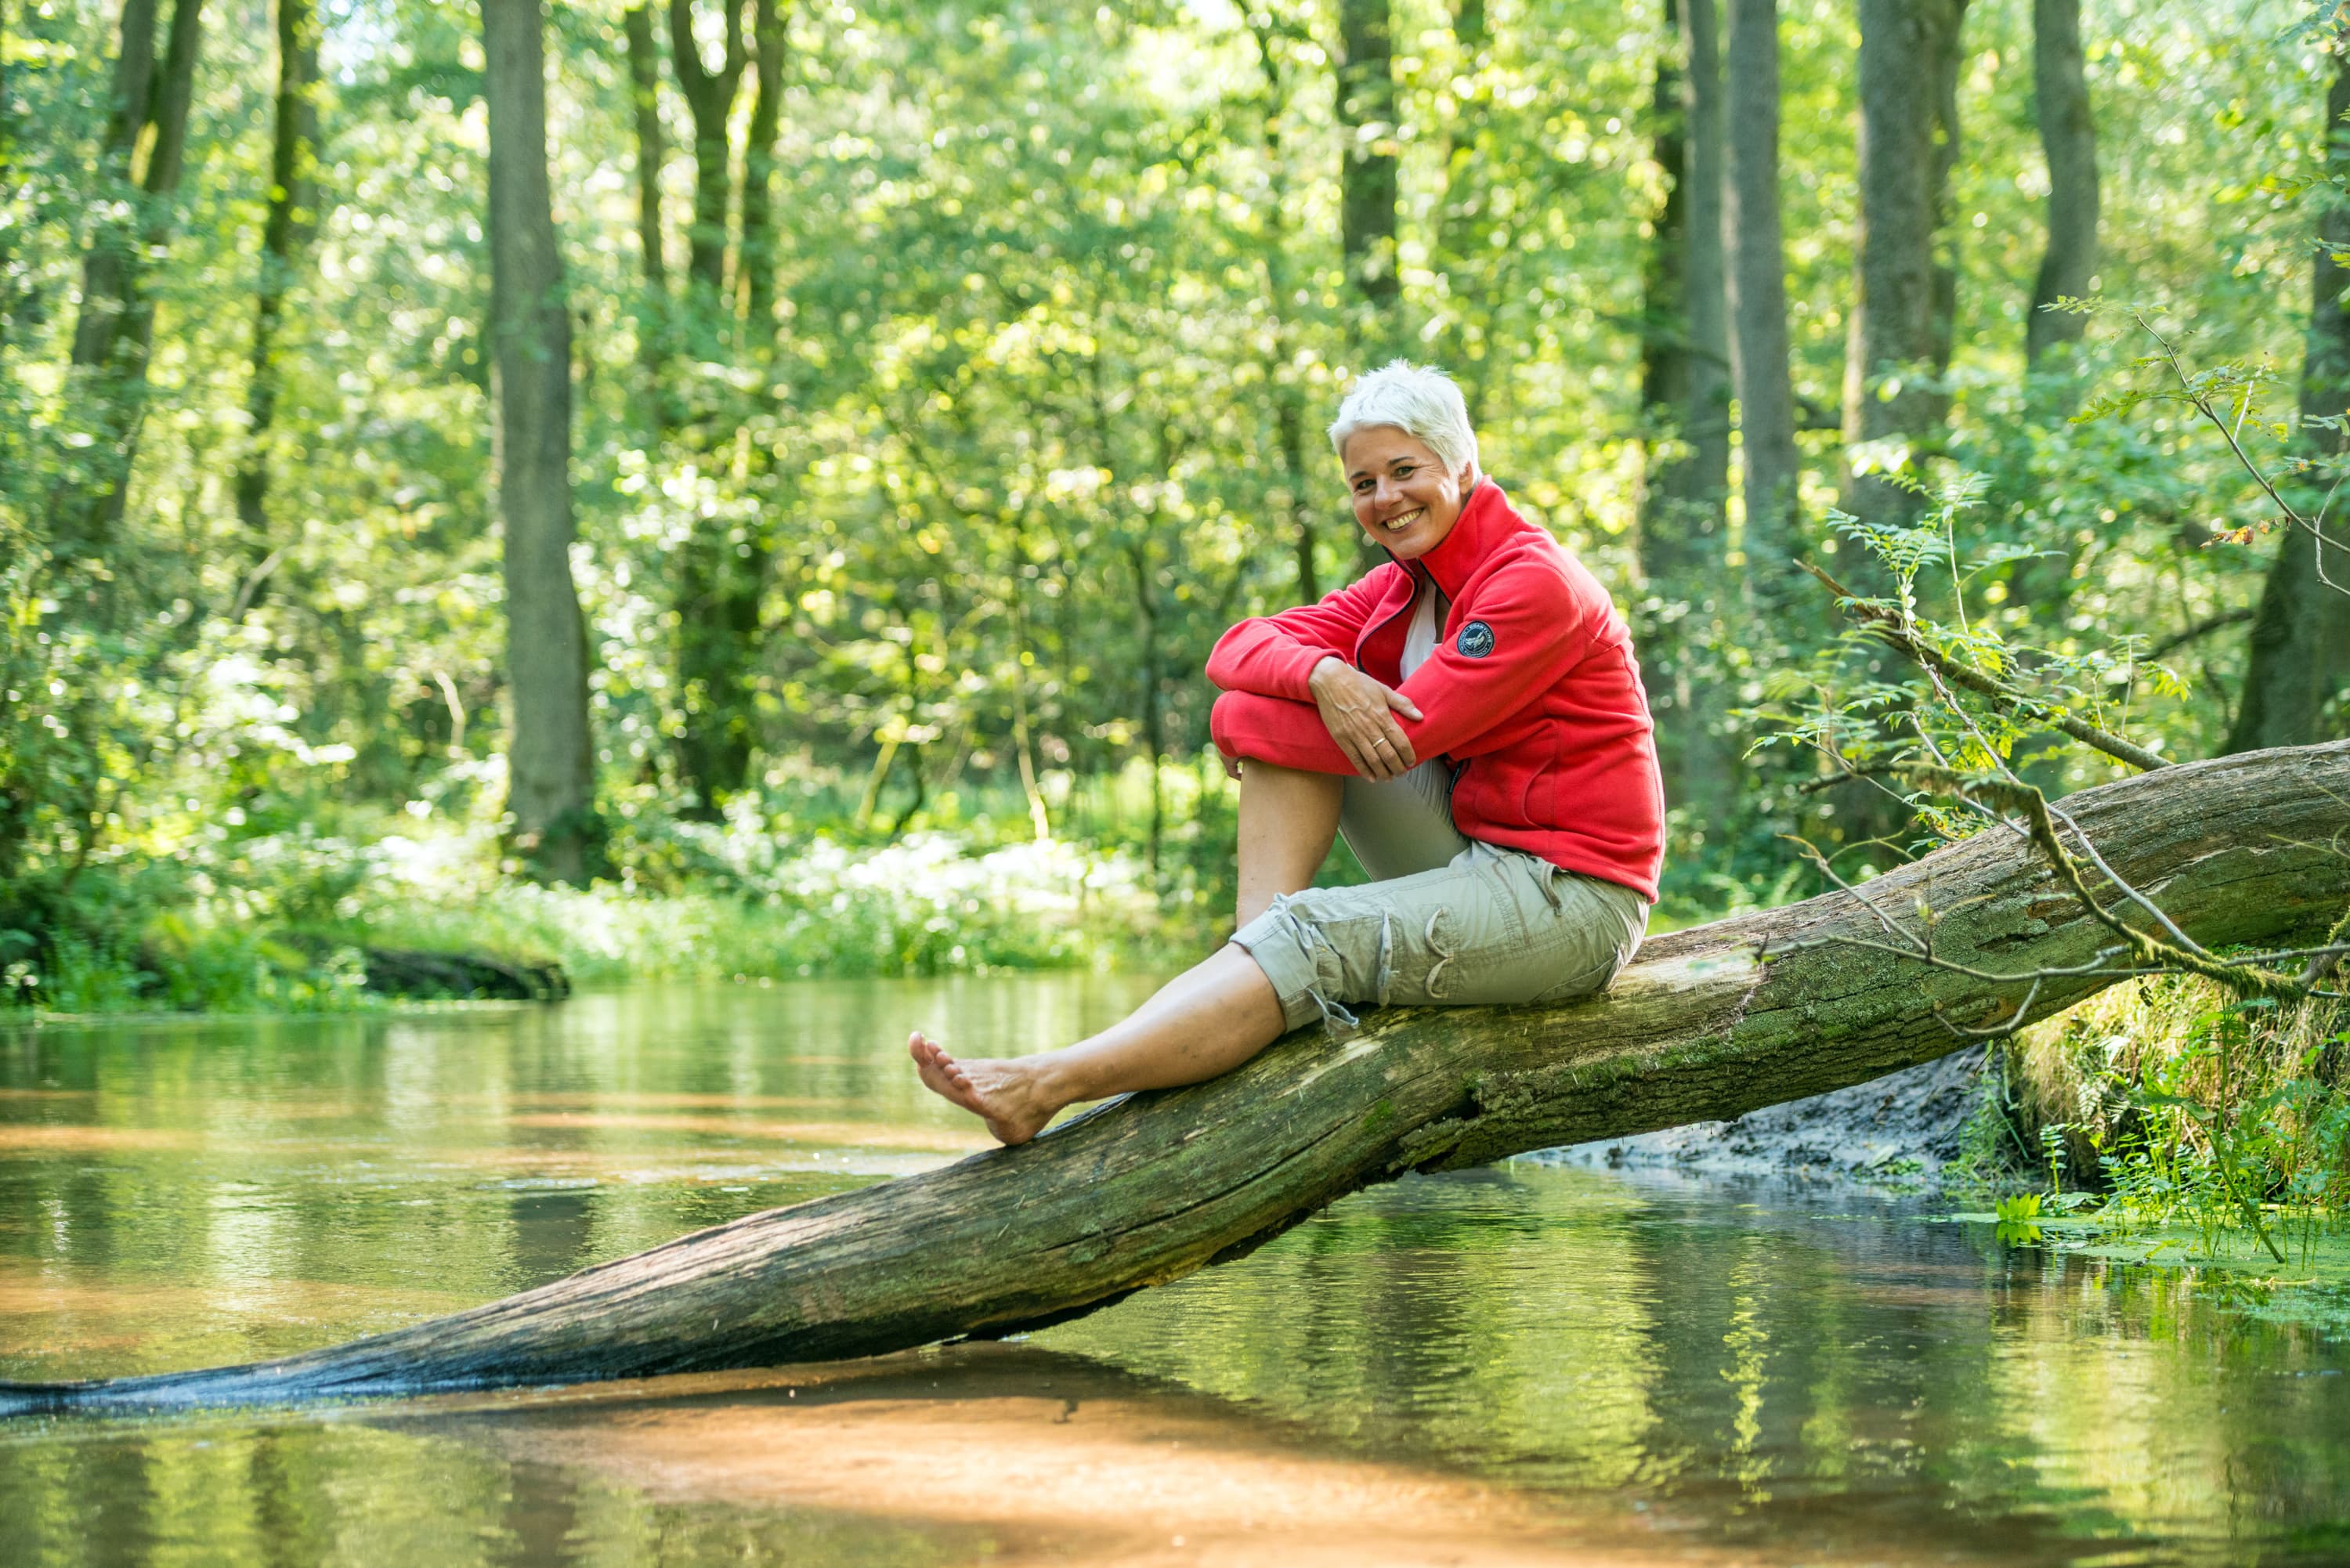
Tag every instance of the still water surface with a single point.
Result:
(1518, 1365)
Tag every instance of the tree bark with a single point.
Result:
(145, 146)
(551, 779)
(652, 153)
(1367, 167)
(1756, 285)
(709, 100)
(2061, 101)
(759, 258)
(292, 218)
(1685, 396)
(1281, 372)
(1710, 1023)
(721, 570)
(2301, 636)
(1458, 255)
(1904, 291)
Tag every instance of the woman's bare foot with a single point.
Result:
(1009, 1096)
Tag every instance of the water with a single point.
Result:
(1518, 1365)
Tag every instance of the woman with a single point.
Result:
(1470, 716)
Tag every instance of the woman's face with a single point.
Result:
(1403, 497)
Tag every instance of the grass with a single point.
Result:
(931, 903)
(2164, 1123)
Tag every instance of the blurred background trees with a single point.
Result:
(861, 419)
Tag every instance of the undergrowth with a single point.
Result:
(2164, 1122)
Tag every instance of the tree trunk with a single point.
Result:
(759, 258)
(145, 146)
(1712, 1022)
(14, 291)
(2061, 100)
(1458, 255)
(1367, 169)
(2301, 637)
(292, 218)
(709, 100)
(721, 569)
(652, 153)
(1757, 276)
(1281, 373)
(550, 766)
(1685, 396)
(1904, 290)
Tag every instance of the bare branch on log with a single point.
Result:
(1710, 1023)
(1888, 625)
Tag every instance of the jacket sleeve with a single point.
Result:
(1275, 729)
(1535, 631)
(1273, 655)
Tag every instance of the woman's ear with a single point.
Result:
(1468, 476)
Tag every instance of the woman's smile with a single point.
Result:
(1404, 497)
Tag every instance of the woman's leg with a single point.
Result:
(1289, 819)
(1203, 1023)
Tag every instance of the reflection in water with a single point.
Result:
(1514, 1366)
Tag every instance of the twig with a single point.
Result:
(1888, 625)
(2135, 896)
(2202, 628)
(2202, 405)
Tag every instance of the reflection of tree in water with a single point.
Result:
(1856, 1380)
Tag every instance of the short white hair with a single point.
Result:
(1420, 400)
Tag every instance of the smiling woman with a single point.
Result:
(1469, 715)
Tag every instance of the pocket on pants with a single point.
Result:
(1600, 927)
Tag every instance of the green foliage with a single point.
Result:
(2188, 1107)
(1059, 310)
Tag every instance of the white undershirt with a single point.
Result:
(1419, 639)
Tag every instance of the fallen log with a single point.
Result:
(1710, 1023)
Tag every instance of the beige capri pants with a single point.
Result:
(1449, 920)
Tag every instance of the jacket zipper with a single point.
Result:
(1364, 641)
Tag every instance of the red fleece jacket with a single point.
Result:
(1533, 695)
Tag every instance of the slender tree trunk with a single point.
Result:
(1899, 337)
(1708, 1022)
(550, 765)
(1280, 376)
(2301, 636)
(292, 218)
(126, 118)
(15, 292)
(1458, 255)
(1685, 393)
(1024, 751)
(1367, 169)
(1756, 275)
(146, 147)
(721, 568)
(709, 97)
(1154, 727)
(2061, 100)
(652, 153)
(759, 258)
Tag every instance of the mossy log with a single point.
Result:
(408, 971)
(1709, 1023)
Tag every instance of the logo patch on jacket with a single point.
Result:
(1476, 640)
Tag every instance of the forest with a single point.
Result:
(748, 487)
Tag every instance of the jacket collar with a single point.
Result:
(1486, 518)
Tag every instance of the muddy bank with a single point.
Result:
(1903, 1127)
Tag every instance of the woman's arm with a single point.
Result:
(1535, 629)
(1532, 638)
(1274, 654)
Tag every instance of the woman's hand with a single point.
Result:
(1359, 713)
